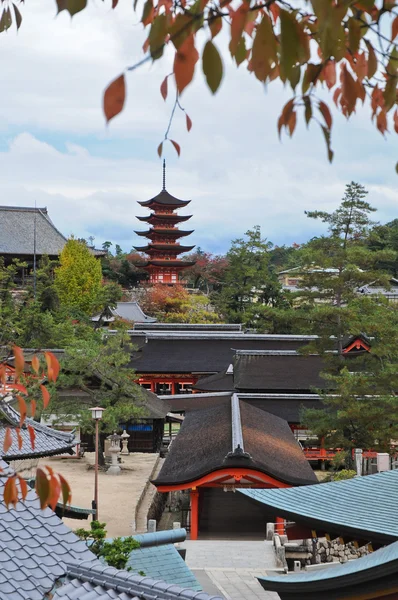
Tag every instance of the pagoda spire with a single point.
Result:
(164, 175)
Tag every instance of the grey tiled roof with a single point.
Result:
(99, 582)
(34, 547)
(48, 441)
(17, 226)
(363, 506)
(130, 311)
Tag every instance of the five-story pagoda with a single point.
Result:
(163, 247)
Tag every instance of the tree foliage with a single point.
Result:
(174, 304)
(78, 279)
(115, 553)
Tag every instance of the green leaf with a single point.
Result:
(75, 6)
(157, 36)
(354, 34)
(241, 51)
(212, 66)
(289, 40)
(42, 487)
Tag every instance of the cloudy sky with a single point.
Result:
(55, 149)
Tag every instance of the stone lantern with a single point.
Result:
(125, 437)
(114, 450)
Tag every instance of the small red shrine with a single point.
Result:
(163, 247)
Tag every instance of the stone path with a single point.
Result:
(118, 494)
(232, 567)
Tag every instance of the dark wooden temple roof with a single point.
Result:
(165, 199)
(218, 382)
(362, 507)
(48, 442)
(372, 576)
(197, 352)
(188, 327)
(277, 370)
(285, 406)
(234, 435)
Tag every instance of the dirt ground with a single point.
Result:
(118, 494)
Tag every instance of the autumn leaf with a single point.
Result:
(22, 410)
(147, 13)
(35, 364)
(32, 436)
(185, 60)
(308, 109)
(324, 109)
(326, 134)
(372, 59)
(176, 146)
(212, 66)
(55, 490)
(75, 6)
(264, 53)
(349, 90)
(215, 24)
(164, 87)
(18, 16)
(394, 29)
(65, 489)
(7, 440)
(354, 34)
(238, 22)
(157, 36)
(42, 486)
(10, 492)
(46, 395)
(189, 122)
(160, 149)
(329, 73)
(24, 487)
(19, 361)
(396, 121)
(114, 98)
(285, 116)
(19, 438)
(381, 122)
(20, 388)
(291, 124)
(52, 365)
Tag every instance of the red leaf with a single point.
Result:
(20, 388)
(35, 364)
(32, 436)
(396, 121)
(324, 109)
(185, 60)
(23, 486)
(19, 361)
(163, 88)
(394, 29)
(22, 410)
(32, 408)
(65, 488)
(10, 492)
(114, 3)
(52, 366)
(349, 90)
(46, 395)
(215, 25)
(292, 122)
(238, 21)
(55, 489)
(160, 149)
(189, 122)
(19, 438)
(42, 487)
(381, 121)
(336, 95)
(7, 440)
(3, 375)
(176, 146)
(329, 72)
(114, 98)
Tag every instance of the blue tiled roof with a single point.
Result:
(163, 562)
(376, 565)
(362, 505)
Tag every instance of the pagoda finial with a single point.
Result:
(164, 174)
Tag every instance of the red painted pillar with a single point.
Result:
(280, 525)
(152, 386)
(194, 513)
(173, 388)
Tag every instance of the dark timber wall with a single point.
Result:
(230, 513)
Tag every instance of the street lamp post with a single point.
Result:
(96, 414)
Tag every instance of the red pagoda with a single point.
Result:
(163, 247)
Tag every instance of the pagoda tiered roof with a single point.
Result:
(165, 199)
(154, 247)
(168, 263)
(170, 218)
(175, 233)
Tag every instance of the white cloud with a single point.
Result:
(58, 151)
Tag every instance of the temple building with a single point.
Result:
(163, 248)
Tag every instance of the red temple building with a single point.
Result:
(163, 247)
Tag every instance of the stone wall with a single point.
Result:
(325, 550)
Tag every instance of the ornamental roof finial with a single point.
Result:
(164, 174)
